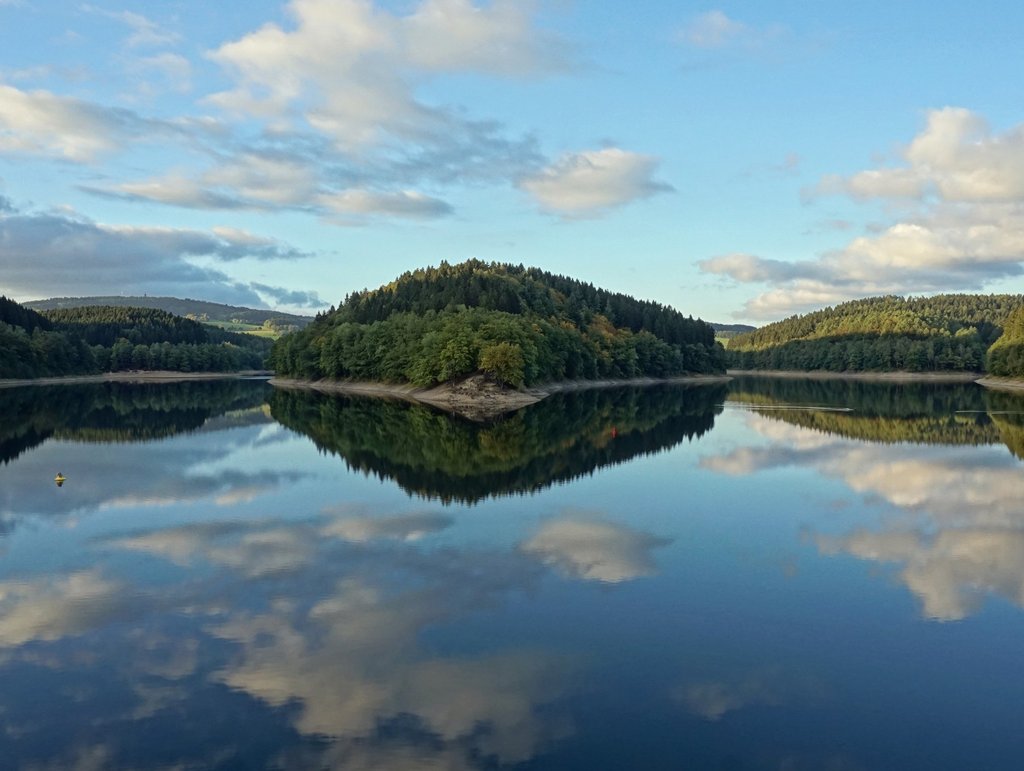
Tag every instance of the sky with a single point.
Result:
(740, 162)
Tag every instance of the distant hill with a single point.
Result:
(735, 329)
(92, 339)
(940, 333)
(200, 310)
(516, 325)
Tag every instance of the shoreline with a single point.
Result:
(1001, 383)
(475, 398)
(145, 376)
(897, 377)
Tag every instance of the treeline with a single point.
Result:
(520, 326)
(105, 325)
(104, 339)
(945, 332)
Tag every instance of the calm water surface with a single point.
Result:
(773, 575)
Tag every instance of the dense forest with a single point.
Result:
(434, 455)
(109, 339)
(519, 326)
(200, 310)
(941, 333)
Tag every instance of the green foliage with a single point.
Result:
(1006, 356)
(945, 332)
(79, 341)
(437, 324)
(504, 362)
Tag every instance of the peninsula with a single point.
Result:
(493, 333)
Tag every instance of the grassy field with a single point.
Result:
(248, 329)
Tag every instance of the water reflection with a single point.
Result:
(116, 412)
(233, 598)
(93, 434)
(593, 550)
(954, 522)
(563, 437)
(319, 622)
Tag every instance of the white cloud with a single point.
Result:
(591, 182)
(457, 35)
(38, 247)
(55, 607)
(716, 30)
(42, 123)
(404, 203)
(402, 527)
(955, 158)
(144, 31)
(353, 660)
(952, 572)
(174, 69)
(966, 228)
(713, 29)
(347, 67)
(712, 699)
(958, 526)
(595, 550)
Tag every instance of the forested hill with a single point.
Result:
(198, 309)
(518, 325)
(100, 339)
(944, 332)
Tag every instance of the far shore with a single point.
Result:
(142, 376)
(476, 398)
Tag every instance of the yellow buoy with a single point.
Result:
(59, 479)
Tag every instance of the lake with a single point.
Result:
(773, 574)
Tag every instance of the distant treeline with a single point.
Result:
(518, 325)
(109, 339)
(945, 332)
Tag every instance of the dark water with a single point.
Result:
(777, 575)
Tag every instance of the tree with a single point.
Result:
(504, 363)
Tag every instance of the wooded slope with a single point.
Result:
(945, 332)
(518, 325)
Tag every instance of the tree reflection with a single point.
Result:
(434, 455)
(116, 412)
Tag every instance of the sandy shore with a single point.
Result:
(155, 376)
(887, 377)
(476, 398)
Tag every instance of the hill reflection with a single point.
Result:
(433, 455)
(117, 412)
(886, 412)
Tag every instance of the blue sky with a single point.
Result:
(740, 161)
